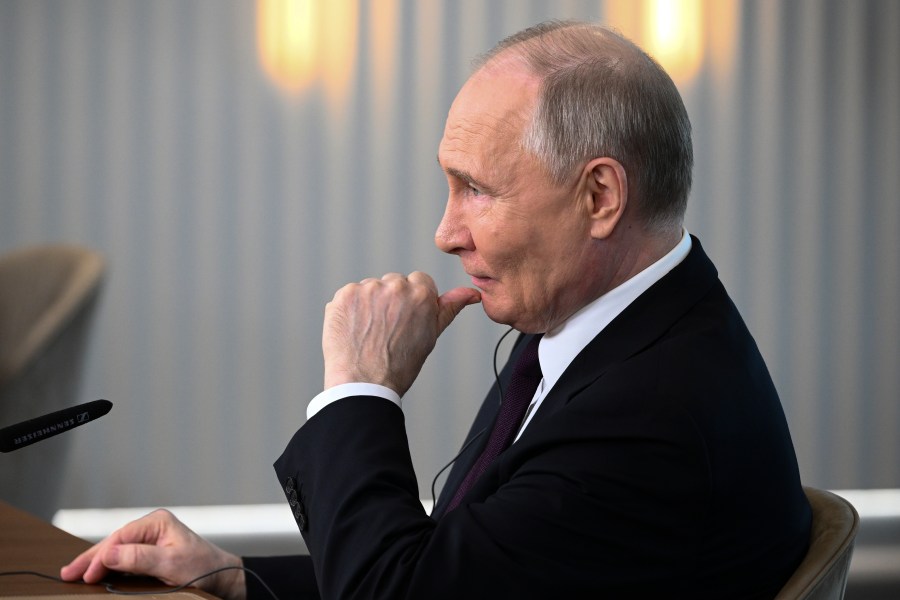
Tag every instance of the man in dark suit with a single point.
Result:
(649, 455)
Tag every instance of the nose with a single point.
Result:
(453, 235)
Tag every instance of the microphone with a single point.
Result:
(40, 428)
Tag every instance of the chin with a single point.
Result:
(497, 314)
(508, 316)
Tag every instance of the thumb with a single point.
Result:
(451, 302)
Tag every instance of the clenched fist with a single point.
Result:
(382, 330)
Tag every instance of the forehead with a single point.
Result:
(490, 112)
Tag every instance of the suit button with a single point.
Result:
(300, 516)
(297, 508)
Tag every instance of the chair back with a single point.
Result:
(822, 575)
(47, 297)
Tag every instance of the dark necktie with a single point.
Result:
(525, 378)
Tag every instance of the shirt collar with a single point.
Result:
(558, 349)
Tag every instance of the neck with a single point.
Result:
(634, 251)
(618, 260)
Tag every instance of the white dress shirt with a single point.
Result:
(557, 348)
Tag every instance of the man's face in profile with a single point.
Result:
(523, 239)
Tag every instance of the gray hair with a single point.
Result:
(601, 95)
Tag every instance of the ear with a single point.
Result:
(606, 190)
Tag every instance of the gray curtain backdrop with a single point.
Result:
(230, 211)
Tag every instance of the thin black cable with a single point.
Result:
(480, 433)
(34, 573)
(453, 460)
(496, 372)
(113, 590)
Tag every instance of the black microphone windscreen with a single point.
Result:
(40, 428)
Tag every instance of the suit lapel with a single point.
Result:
(636, 328)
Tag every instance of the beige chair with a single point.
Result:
(823, 573)
(47, 297)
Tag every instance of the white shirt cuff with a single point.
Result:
(345, 390)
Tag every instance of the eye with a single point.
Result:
(474, 191)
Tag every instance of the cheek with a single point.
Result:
(500, 246)
(554, 270)
(525, 277)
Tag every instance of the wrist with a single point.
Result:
(338, 376)
(230, 584)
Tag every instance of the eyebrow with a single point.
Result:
(467, 177)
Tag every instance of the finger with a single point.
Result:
(141, 559)
(75, 569)
(423, 279)
(97, 569)
(93, 564)
(389, 276)
(451, 302)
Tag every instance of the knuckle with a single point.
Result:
(343, 295)
(422, 293)
(395, 285)
(350, 288)
(162, 514)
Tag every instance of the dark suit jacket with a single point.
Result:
(659, 465)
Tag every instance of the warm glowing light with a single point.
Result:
(674, 35)
(286, 38)
(339, 23)
(303, 40)
(677, 33)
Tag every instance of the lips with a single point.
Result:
(480, 281)
(479, 278)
